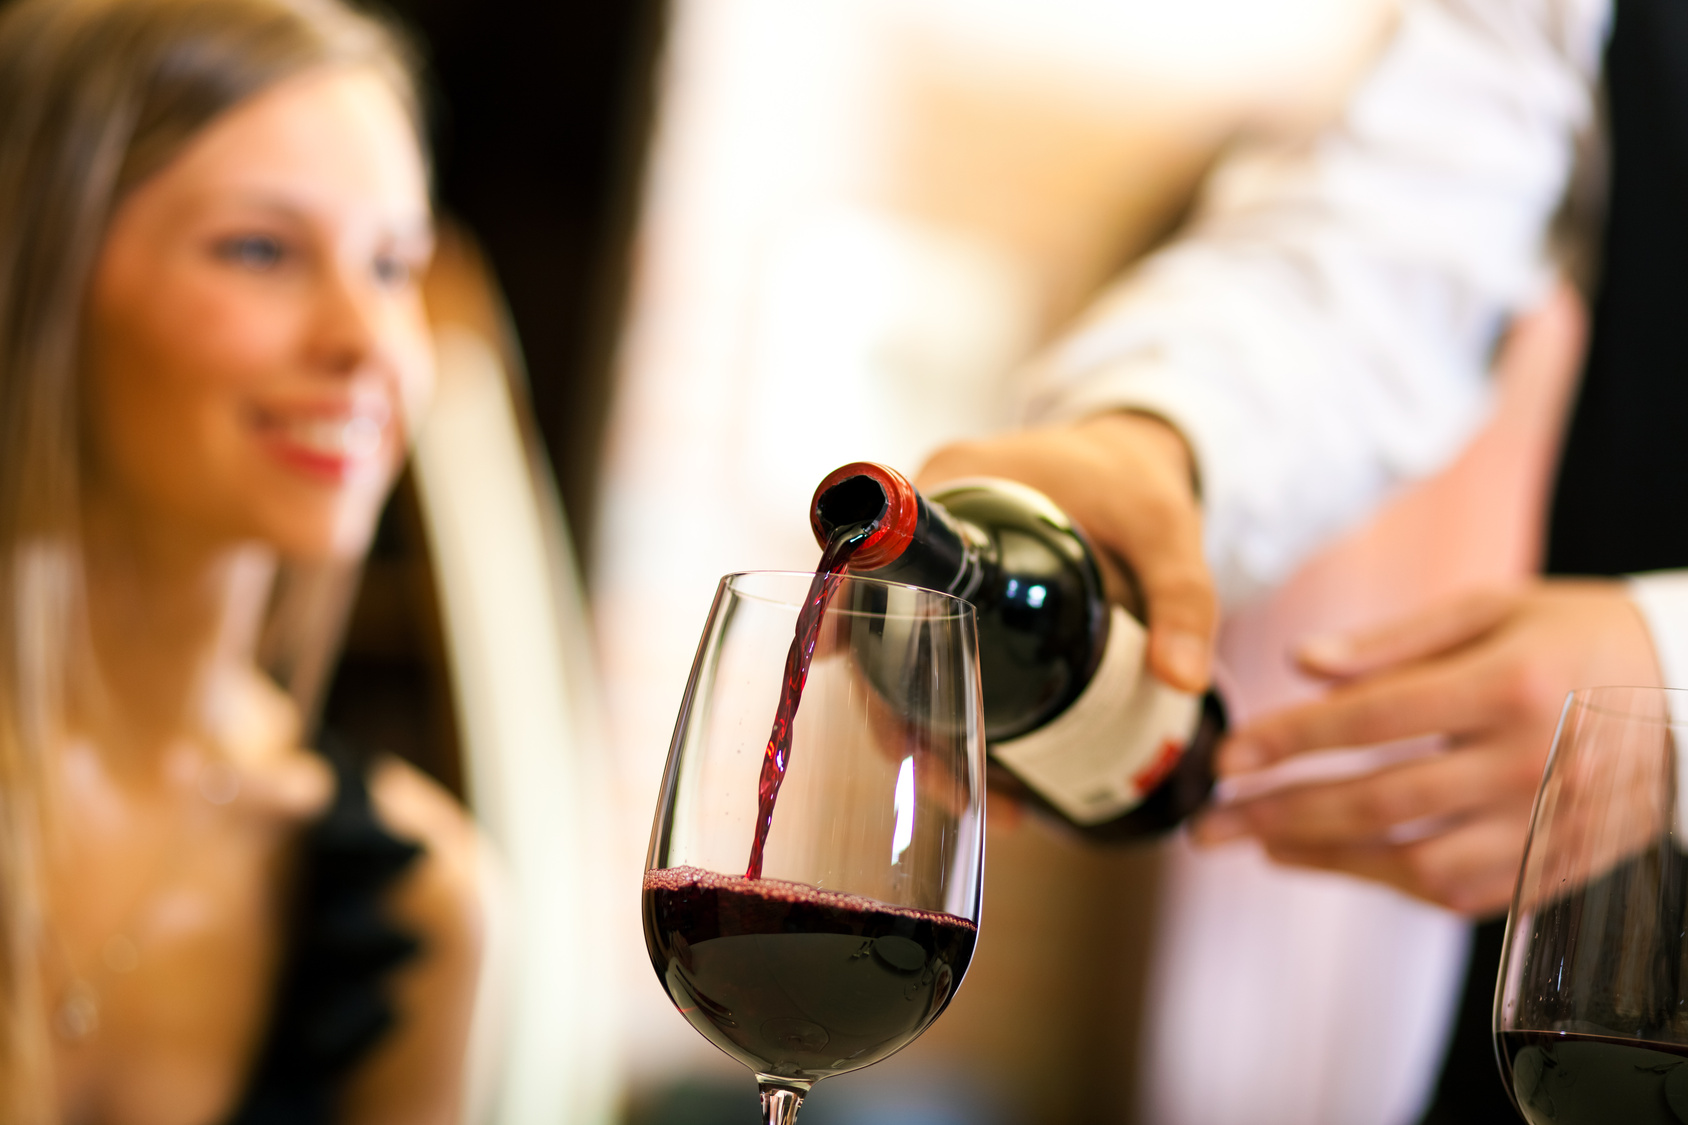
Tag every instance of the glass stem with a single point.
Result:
(780, 1103)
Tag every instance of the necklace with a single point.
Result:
(75, 1016)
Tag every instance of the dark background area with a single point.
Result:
(539, 111)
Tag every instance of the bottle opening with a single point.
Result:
(854, 500)
(867, 493)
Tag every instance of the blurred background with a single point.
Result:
(723, 247)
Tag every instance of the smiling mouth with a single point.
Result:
(325, 445)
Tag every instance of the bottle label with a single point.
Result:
(1121, 737)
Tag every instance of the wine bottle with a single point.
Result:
(1070, 709)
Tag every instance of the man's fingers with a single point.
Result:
(1447, 697)
(1126, 479)
(1438, 628)
(1366, 810)
(1180, 605)
(1471, 869)
(1178, 597)
(1156, 528)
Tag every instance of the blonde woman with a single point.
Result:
(213, 214)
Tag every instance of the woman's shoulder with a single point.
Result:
(416, 1074)
(412, 806)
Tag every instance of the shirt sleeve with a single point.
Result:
(1322, 332)
(1662, 598)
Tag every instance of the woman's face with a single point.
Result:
(256, 341)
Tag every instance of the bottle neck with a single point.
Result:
(943, 553)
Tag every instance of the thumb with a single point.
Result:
(1181, 635)
(1178, 601)
(1441, 626)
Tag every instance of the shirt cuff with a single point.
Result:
(1662, 598)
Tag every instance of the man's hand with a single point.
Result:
(1127, 480)
(1487, 671)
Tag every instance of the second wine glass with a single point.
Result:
(1591, 1009)
(844, 937)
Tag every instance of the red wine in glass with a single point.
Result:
(1567, 1078)
(796, 981)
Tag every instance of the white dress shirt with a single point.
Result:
(1322, 333)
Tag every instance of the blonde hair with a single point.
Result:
(95, 96)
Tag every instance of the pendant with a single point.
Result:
(78, 1013)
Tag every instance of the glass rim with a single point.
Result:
(960, 608)
(1599, 700)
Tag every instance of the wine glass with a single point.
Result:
(865, 916)
(1591, 1008)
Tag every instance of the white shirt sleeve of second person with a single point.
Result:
(1322, 333)
(1662, 598)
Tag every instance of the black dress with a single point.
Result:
(331, 1006)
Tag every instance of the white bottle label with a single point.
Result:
(1099, 758)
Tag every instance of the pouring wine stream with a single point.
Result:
(843, 543)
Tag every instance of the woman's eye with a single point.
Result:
(393, 271)
(253, 251)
